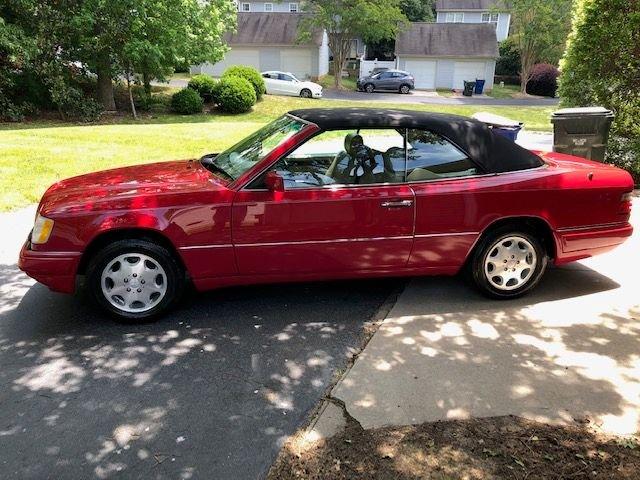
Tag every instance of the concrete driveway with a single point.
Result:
(210, 391)
(570, 350)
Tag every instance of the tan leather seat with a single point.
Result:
(419, 174)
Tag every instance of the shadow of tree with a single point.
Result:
(211, 390)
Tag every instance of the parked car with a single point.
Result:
(284, 83)
(325, 194)
(394, 80)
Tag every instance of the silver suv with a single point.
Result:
(395, 80)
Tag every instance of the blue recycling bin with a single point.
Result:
(479, 87)
(509, 132)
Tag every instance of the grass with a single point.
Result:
(327, 82)
(508, 91)
(38, 153)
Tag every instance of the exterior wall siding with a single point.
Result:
(269, 59)
(502, 28)
(278, 6)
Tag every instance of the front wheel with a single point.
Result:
(305, 93)
(369, 88)
(135, 279)
(507, 263)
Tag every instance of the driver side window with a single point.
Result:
(344, 157)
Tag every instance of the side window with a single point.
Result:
(343, 157)
(432, 157)
(286, 78)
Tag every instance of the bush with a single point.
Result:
(186, 102)
(71, 102)
(508, 62)
(235, 95)
(625, 153)
(250, 74)
(205, 86)
(544, 80)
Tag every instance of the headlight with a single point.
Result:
(41, 230)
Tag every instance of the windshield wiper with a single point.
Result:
(209, 164)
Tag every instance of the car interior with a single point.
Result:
(371, 157)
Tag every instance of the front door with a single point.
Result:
(344, 209)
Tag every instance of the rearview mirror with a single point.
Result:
(274, 182)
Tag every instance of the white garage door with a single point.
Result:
(236, 56)
(296, 61)
(468, 71)
(424, 72)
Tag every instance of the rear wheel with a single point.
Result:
(508, 262)
(305, 93)
(135, 279)
(405, 89)
(369, 88)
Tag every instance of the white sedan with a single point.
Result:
(285, 83)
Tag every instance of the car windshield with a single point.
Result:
(235, 161)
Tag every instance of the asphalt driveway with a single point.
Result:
(210, 391)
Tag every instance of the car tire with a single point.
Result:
(306, 93)
(508, 262)
(405, 89)
(369, 88)
(135, 279)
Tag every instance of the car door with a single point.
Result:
(270, 82)
(448, 208)
(385, 81)
(288, 85)
(326, 221)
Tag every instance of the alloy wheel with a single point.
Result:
(510, 263)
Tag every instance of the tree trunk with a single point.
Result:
(105, 84)
(339, 47)
(146, 80)
(131, 102)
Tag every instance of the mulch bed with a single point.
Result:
(500, 447)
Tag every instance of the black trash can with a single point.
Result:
(582, 132)
(468, 88)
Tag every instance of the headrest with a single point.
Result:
(351, 142)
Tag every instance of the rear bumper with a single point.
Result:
(583, 242)
(56, 270)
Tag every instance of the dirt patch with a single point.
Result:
(502, 447)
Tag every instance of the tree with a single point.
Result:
(344, 20)
(418, 10)
(602, 67)
(539, 28)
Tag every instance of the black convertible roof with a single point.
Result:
(492, 152)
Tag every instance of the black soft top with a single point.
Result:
(492, 152)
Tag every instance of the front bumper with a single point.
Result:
(56, 270)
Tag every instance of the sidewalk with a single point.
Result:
(568, 351)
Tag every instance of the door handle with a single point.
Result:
(397, 204)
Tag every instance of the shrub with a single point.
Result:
(235, 95)
(250, 74)
(544, 80)
(71, 102)
(186, 102)
(508, 62)
(204, 85)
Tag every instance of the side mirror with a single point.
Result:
(274, 182)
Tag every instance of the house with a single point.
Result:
(444, 55)
(493, 12)
(269, 41)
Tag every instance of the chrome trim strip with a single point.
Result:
(591, 227)
(452, 234)
(42, 254)
(313, 242)
(200, 247)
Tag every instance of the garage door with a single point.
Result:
(236, 56)
(297, 61)
(468, 71)
(424, 72)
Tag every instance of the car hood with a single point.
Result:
(138, 186)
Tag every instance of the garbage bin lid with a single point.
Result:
(495, 120)
(582, 111)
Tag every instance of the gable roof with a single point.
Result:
(272, 28)
(471, 4)
(448, 40)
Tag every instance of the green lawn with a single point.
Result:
(504, 92)
(37, 154)
(327, 82)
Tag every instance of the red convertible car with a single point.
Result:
(327, 194)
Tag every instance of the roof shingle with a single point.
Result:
(448, 40)
(266, 29)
